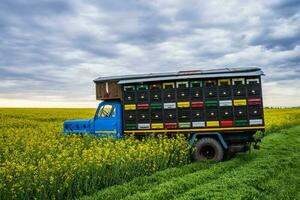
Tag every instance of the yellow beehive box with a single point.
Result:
(185, 104)
(212, 123)
(129, 106)
(169, 85)
(239, 102)
(224, 82)
(157, 125)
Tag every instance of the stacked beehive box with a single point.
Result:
(193, 104)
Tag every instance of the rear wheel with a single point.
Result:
(208, 149)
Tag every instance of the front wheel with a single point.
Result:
(208, 149)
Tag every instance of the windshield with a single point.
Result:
(107, 111)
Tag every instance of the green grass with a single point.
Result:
(269, 173)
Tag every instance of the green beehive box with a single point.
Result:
(130, 126)
(142, 87)
(156, 105)
(211, 103)
(184, 124)
(241, 122)
(194, 84)
(129, 87)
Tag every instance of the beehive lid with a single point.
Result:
(190, 74)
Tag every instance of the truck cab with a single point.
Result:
(106, 122)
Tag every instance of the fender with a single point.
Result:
(220, 137)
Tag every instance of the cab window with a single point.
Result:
(107, 111)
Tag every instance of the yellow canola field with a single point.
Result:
(38, 160)
(276, 118)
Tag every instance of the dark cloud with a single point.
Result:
(50, 47)
(34, 8)
(285, 42)
(99, 48)
(287, 8)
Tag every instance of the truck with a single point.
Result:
(219, 110)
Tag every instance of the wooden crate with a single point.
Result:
(108, 90)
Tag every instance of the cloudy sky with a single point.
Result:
(50, 51)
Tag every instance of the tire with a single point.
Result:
(208, 149)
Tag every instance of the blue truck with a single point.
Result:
(219, 111)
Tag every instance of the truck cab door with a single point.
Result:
(108, 120)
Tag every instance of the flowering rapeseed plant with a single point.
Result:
(38, 161)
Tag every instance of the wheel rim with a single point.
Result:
(208, 152)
